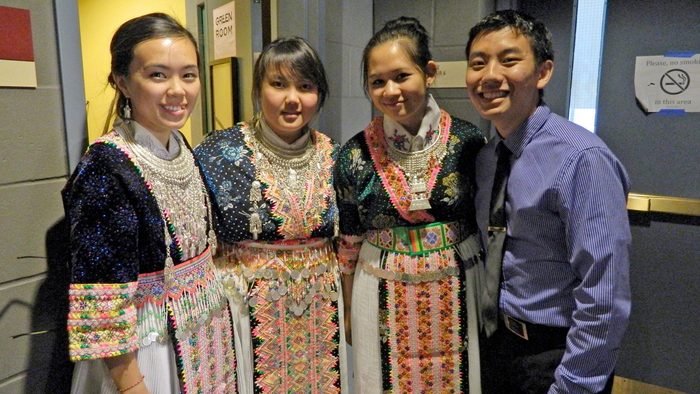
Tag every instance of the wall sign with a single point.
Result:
(17, 68)
(224, 21)
(668, 83)
(451, 75)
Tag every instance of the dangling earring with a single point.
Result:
(127, 109)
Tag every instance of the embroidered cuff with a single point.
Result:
(348, 252)
(101, 320)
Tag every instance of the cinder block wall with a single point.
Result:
(338, 30)
(33, 169)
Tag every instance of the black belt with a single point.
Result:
(530, 331)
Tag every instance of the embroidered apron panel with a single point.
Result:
(195, 305)
(422, 323)
(423, 342)
(290, 290)
(295, 354)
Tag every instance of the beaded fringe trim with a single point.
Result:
(195, 296)
(294, 272)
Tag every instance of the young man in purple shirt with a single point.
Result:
(560, 296)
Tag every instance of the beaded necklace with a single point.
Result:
(291, 160)
(395, 178)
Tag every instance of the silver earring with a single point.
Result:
(127, 109)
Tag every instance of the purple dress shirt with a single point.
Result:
(566, 261)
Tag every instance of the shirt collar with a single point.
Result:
(517, 141)
(146, 139)
(401, 139)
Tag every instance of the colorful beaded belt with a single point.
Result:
(416, 240)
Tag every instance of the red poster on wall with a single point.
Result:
(17, 67)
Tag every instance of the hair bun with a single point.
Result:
(404, 22)
(410, 33)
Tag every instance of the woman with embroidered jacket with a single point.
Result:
(407, 225)
(147, 311)
(276, 217)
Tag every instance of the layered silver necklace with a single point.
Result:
(415, 168)
(178, 188)
(291, 168)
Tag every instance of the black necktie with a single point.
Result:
(496, 238)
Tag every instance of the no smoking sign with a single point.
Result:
(666, 83)
(675, 81)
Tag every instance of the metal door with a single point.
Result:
(661, 155)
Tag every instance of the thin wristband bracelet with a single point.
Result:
(125, 389)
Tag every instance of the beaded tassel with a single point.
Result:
(255, 225)
(255, 193)
(255, 198)
(212, 241)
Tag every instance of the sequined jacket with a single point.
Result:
(117, 245)
(365, 204)
(116, 226)
(228, 164)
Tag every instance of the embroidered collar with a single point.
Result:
(392, 176)
(401, 139)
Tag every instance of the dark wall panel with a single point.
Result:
(660, 152)
(661, 156)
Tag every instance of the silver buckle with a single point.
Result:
(516, 326)
(495, 229)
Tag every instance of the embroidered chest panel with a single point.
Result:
(298, 198)
(258, 195)
(374, 192)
